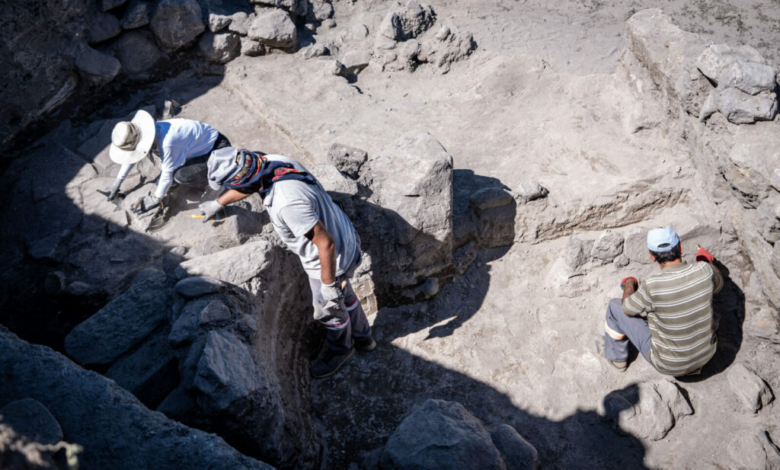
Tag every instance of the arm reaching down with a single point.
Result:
(326, 248)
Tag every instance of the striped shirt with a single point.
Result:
(678, 304)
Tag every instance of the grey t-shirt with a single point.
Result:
(295, 207)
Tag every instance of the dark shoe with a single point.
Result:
(365, 344)
(621, 366)
(330, 363)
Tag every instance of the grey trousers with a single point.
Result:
(345, 320)
(194, 172)
(620, 329)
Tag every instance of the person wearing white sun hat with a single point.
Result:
(183, 145)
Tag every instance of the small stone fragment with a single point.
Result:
(443, 33)
(111, 4)
(218, 21)
(607, 247)
(214, 311)
(355, 61)
(177, 23)
(578, 251)
(346, 159)
(251, 48)
(750, 389)
(240, 22)
(136, 15)
(320, 11)
(315, 50)
(334, 68)
(489, 198)
(530, 190)
(137, 52)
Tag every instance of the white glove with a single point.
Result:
(331, 292)
(210, 209)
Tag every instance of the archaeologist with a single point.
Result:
(313, 227)
(678, 337)
(182, 144)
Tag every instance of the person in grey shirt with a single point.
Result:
(313, 227)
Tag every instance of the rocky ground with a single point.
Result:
(517, 153)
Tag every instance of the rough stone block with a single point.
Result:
(29, 418)
(750, 389)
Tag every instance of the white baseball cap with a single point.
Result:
(132, 140)
(660, 240)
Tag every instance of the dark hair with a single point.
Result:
(667, 256)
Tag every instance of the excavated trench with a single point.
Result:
(486, 269)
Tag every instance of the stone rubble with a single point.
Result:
(753, 393)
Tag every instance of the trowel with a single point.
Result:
(117, 199)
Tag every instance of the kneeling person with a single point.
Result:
(182, 144)
(678, 338)
(313, 227)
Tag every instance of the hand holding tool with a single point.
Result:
(704, 255)
(210, 209)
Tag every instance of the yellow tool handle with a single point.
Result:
(200, 216)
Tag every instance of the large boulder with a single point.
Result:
(176, 23)
(518, 453)
(441, 434)
(136, 15)
(406, 222)
(751, 390)
(670, 55)
(753, 450)
(123, 324)
(102, 28)
(235, 265)
(295, 7)
(225, 371)
(347, 160)
(137, 52)
(118, 431)
(274, 29)
(97, 67)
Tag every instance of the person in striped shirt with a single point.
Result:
(677, 336)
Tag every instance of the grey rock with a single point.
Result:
(274, 29)
(111, 4)
(185, 329)
(391, 26)
(443, 33)
(97, 67)
(607, 247)
(340, 188)
(621, 261)
(215, 311)
(409, 220)
(464, 257)
(769, 211)
(489, 198)
(198, 286)
(775, 259)
(58, 170)
(54, 282)
(329, 23)
(444, 53)
(409, 23)
(137, 52)
(355, 61)
(136, 15)
(749, 77)
(320, 11)
(518, 453)
(530, 190)
(251, 48)
(753, 450)
(220, 48)
(640, 410)
(54, 247)
(176, 23)
(347, 159)
(95, 410)
(123, 324)
(670, 55)
(754, 155)
(234, 265)
(578, 251)
(441, 434)
(225, 370)
(102, 28)
(762, 322)
(219, 21)
(315, 50)
(742, 108)
(672, 395)
(750, 389)
(30, 419)
(150, 373)
(717, 57)
(774, 179)
(239, 23)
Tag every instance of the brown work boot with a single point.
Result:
(330, 363)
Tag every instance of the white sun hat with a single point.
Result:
(131, 141)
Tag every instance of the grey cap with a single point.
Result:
(222, 166)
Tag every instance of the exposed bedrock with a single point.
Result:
(727, 86)
(113, 427)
